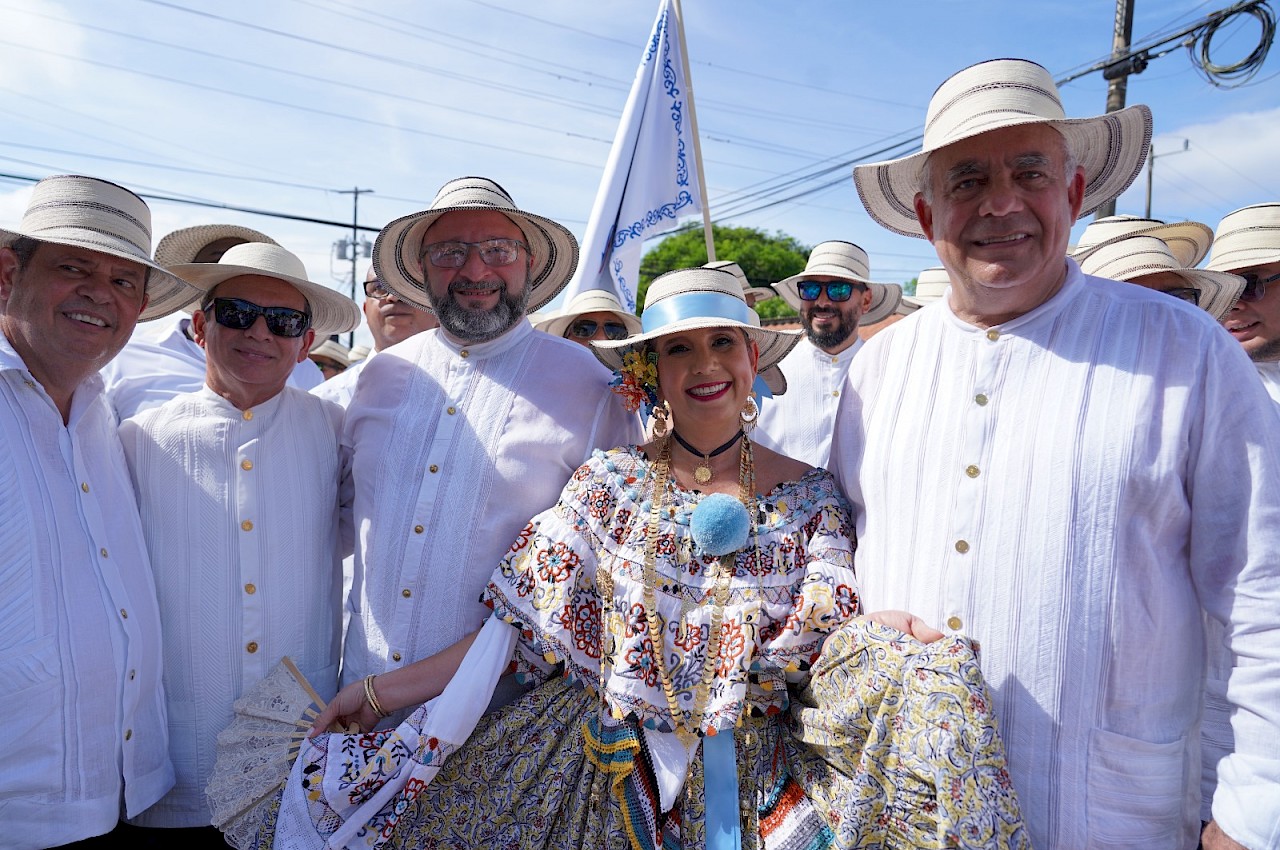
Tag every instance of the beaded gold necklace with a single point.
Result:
(688, 726)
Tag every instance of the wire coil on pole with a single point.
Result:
(1238, 73)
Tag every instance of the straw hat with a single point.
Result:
(845, 261)
(590, 301)
(753, 294)
(931, 285)
(331, 312)
(188, 244)
(395, 254)
(1188, 240)
(338, 353)
(1250, 236)
(690, 299)
(1125, 259)
(358, 353)
(1007, 93)
(85, 212)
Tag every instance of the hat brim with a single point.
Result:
(885, 297)
(166, 292)
(1111, 148)
(1243, 257)
(1189, 241)
(554, 250)
(331, 311)
(557, 325)
(773, 345)
(1219, 291)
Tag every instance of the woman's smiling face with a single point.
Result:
(706, 374)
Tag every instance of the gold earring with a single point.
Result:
(661, 420)
(750, 413)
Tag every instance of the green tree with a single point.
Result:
(763, 257)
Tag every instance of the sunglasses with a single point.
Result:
(586, 329)
(839, 291)
(493, 252)
(239, 315)
(377, 290)
(1255, 287)
(1185, 293)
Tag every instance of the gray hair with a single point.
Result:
(1070, 163)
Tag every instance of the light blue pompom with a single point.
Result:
(720, 525)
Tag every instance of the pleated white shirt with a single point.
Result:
(1069, 488)
(80, 640)
(240, 514)
(158, 364)
(799, 422)
(341, 388)
(1270, 374)
(449, 450)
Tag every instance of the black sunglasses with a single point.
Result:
(1255, 287)
(1184, 293)
(837, 291)
(239, 315)
(586, 328)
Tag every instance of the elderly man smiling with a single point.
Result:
(458, 435)
(1072, 471)
(237, 485)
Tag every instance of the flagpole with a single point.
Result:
(693, 127)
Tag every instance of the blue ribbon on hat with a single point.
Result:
(701, 305)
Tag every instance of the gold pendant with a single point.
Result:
(703, 473)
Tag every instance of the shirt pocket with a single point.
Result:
(1136, 791)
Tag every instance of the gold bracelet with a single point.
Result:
(372, 697)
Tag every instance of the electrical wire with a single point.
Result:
(1234, 74)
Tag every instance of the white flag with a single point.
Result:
(651, 176)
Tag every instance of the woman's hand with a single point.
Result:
(349, 711)
(905, 621)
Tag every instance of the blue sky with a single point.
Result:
(287, 105)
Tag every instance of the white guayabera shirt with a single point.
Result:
(1270, 374)
(799, 422)
(448, 451)
(1070, 489)
(79, 629)
(240, 513)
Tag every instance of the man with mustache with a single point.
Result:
(1077, 473)
(80, 637)
(391, 319)
(833, 296)
(458, 435)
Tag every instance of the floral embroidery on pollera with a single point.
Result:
(637, 381)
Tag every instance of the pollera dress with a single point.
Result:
(893, 745)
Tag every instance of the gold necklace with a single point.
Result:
(702, 474)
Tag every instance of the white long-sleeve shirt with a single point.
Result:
(1070, 488)
(1270, 374)
(154, 366)
(799, 422)
(240, 512)
(449, 450)
(341, 388)
(79, 629)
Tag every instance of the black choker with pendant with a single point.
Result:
(702, 474)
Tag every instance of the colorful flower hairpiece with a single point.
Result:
(637, 381)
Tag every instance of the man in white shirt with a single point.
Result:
(80, 643)
(165, 361)
(237, 485)
(458, 435)
(1247, 243)
(834, 295)
(390, 320)
(1074, 472)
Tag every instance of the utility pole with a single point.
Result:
(1151, 165)
(355, 194)
(1118, 72)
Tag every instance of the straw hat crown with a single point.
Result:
(1135, 256)
(331, 312)
(845, 261)
(396, 253)
(1188, 240)
(86, 212)
(1250, 236)
(1007, 93)
(753, 294)
(931, 284)
(589, 301)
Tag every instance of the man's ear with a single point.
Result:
(307, 339)
(924, 215)
(198, 320)
(8, 273)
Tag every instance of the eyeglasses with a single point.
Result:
(586, 329)
(1255, 287)
(377, 290)
(493, 252)
(239, 315)
(836, 291)
(1184, 293)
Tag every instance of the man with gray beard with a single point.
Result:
(834, 295)
(459, 434)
